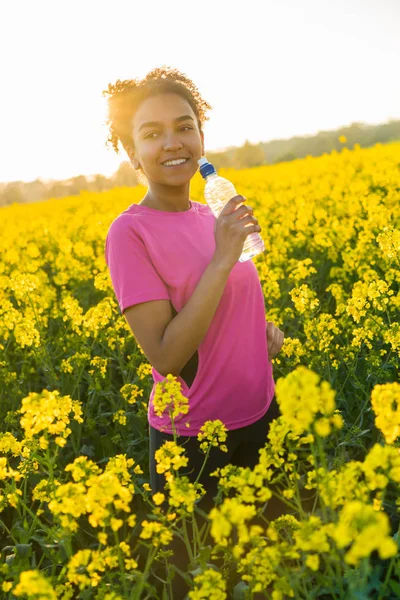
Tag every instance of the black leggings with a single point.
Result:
(243, 450)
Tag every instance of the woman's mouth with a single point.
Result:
(175, 164)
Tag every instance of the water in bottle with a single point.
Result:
(217, 192)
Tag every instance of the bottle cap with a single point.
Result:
(206, 168)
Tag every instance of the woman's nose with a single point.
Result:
(172, 141)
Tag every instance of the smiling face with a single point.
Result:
(166, 128)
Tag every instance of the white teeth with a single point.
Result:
(175, 162)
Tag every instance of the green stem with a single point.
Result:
(121, 565)
(4, 526)
(204, 464)
(34, 517)
(388, 574)
(137, 590)
(186, 538)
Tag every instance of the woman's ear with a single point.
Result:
(131, 153)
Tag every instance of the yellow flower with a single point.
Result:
(48, 411)
(301, 397)
(312, 561)
(183, 494)
(228, 514)
(130, 392)
(385, 400)
(155, 531)
(209, 585)
(365, 530)
(102, 537)
(168, 395)
(214, 432)
(322, 427)
(158, 498)
(32, 583)
(169, 457)
(120, 416)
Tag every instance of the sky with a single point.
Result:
(269, 68)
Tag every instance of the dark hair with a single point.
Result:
(125, 97)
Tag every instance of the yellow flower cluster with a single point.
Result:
(100, 366)
(356, 480)
(385, 400)
(8, 443)
(208, 585)
(259, 562)
(49, 412)
(248, 484)
(158, 533)
(76, 361)
(389, 242)
(227, 515)
(34, 584)
(214, 433)
(169, 458)
(130, 392)
(183, 494)
(95, 493)
(120, 417)
(375, 294)
(86, 568)
(168, 395)
(304, 299)
(364, 529)
(301, 399)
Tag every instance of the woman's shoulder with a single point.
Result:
(122, 222)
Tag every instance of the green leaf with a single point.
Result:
(23, 550)
(200, 570)
(395, 587)
(240, 591)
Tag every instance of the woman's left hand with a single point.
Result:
(275, 338)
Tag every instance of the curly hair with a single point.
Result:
(125, 96)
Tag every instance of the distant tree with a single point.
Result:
(76, 184)
(125, 175)
(35, 190)
(219, 160)
(286, 157)
(12, 192)
(249, 155)
(100, 183)
(58, 189)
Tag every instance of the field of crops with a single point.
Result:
(77, 518)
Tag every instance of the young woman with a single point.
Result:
(196, 311)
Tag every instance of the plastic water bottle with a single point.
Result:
(217, 192)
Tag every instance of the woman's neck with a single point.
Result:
(170, 202)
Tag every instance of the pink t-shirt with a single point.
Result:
(158, 255)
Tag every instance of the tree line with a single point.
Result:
(246, 156)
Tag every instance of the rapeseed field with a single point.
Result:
(77, 518)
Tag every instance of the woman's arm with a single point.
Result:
(186, 331)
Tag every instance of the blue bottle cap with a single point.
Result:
(206, 168)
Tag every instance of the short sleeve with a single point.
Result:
(133, 275)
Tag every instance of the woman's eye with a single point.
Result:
(154, 133)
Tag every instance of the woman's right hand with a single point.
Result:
(232, 226)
